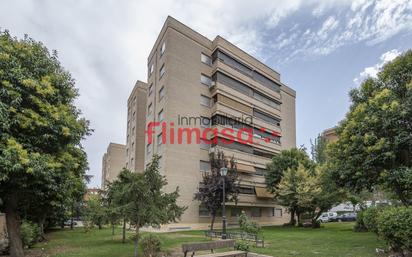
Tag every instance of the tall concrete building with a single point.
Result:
(191, 78)
(113, 162)
(330, 134)
(136, 122)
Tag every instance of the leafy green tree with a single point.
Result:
(40, 127)
(375, 138)
(280, 164)
(143, 199)
(94, 213)
(318, 149)
(210, 192)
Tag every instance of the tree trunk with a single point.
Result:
(136, 242)
(71, 218)
(13, 227)
(292, 217)
(112, 229)
(212, 222)
(124, 231)
(298, 215)
(41, 225)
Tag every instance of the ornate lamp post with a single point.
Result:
(223, 173)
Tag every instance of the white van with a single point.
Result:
(327, 216)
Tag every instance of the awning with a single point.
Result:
(262, 192)
(245, 168)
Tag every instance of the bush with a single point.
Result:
(360, 223)
(246, 225)
(30, 233)
(151, 245)
(370, 217)
(242, 246)
(394, 225)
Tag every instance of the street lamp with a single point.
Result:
(223, 173)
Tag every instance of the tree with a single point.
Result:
(280, 164)
(40, 126)
(210, 192)
(146, 203)
(375, 138)
(318, 150)
(94, 213)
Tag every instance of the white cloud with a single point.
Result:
(372, 71)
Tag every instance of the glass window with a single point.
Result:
(266, 100)
(204, 166)
(160, 116)
(266, 117)
(162, 71)
(149, 109)
(206, 80)
(162, 48)
(159, 139)
(203, 211)
(204, 100)
(276, 212)
(205, 122)
(234, 212)
(150, 89)
(246, 190)
(260, 171)
(233, 83)
(206, 59)
(204, 144)
(151, 69)
(161, 93)
(256, 212)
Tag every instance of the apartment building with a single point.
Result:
(113, 162)
(193, 78)
(330, 134)
(136, 122)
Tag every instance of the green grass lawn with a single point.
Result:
(333, 240)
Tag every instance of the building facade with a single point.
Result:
(198, 84)
(113, 162)
(136, 123)
(330, 134)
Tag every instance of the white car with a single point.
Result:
(327, 216)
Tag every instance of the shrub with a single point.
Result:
(30, 233)
(360, 223)
(151, 245)
(394, 225)
(370, 217)
(242, 246)
(246, 225)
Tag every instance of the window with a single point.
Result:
(266, 100)
(276, 212)
(150, 89)
(266, 117)
(260, 171)
(206, 59)
(160, 116)
(204, 144)
(205, 122)
(149, 109)
(151, 69)
(162, 48)
(203, 211)
(233, 83)
(204, 100)
(204, 166)
(206, 80)
(246, 190)
(161, 93)
(256, 212)
(162, 70)
(148, 149)
(159, 140)
(234, 212)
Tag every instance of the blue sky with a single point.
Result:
(321, 48)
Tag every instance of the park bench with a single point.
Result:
(238, 235)
(206, 246)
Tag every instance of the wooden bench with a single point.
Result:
(204, 246)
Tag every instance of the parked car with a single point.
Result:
(345, 217)
(324, 217)
(68, 223)
(327, 216)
